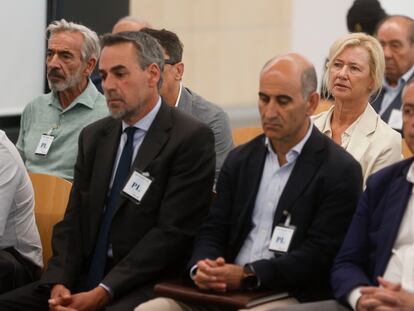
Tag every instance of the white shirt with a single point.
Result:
(17, 220)
(272, 184)
(400, 267)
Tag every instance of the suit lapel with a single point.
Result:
(106, 149)
(251, 176)
(156, 137)
(307, 164)
(365, 126)
(394, 208)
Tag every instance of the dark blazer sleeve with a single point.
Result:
(351, 265)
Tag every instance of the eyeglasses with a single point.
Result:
(170, 62)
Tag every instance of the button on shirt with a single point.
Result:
(272, 184)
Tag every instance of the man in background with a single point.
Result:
(178, 96)
(50, 124)
(396, 35)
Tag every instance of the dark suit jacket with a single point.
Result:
(321, 195)
(367, 247)
(377, 102)
(148, 240)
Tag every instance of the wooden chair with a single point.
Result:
(242, 135)
(405, 151)
(51, 197)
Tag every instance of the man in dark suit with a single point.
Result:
(116, 241)
(176, 95)
(396, 35)
(294, 180)
(373, 269)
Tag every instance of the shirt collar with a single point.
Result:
(86, 98)
(179, 95)
(402, 80)
(145, 122)
(295, 151)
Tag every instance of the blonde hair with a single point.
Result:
(375, 52)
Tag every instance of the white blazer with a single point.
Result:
(373, 143)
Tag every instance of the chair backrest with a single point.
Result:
(51, 197)
(405, 151)
(242, 135)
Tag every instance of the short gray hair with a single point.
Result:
(90, 47)
(149, 51)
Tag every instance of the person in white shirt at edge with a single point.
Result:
(354, 72)
(20, 247)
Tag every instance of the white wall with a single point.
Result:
(315, 25)
(22, 28)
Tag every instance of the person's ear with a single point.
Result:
(312, 103)
(179, 71)
(154, 74)
(90, 65)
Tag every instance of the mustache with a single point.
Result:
(55, 72)
(273, 121)
(113, 96)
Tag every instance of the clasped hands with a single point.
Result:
(61, 299)
(387, 297)
(217, 275)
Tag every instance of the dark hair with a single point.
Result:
(148, 49)
(169, 41)
(364, 15)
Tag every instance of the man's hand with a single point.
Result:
(388, 297)
(59, 296)
(218, 276)
(92, 300)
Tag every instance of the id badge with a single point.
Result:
(281, 238)
(44, 144)
(137, 185)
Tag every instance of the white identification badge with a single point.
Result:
(137, 185)
(281, 238)
(395, 120)
(44, 144)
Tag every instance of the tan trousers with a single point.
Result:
(168, 304)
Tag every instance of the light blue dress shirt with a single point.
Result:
(272, 184)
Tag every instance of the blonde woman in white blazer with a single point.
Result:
(354, 72)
